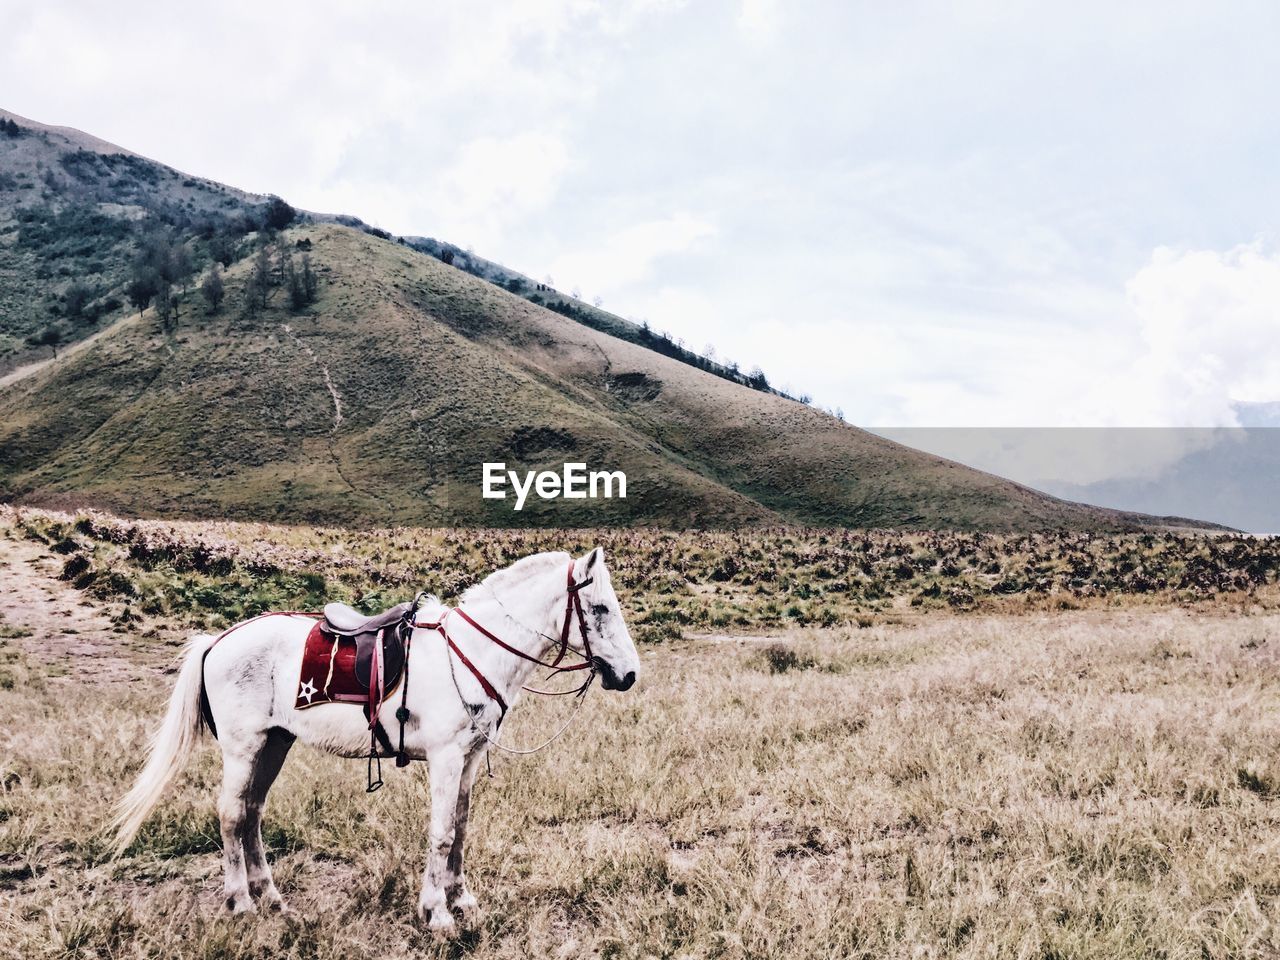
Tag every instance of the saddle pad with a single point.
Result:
(329, 675)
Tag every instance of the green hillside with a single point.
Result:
(349, 378)
(436, 372)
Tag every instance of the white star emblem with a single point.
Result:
(307, 690)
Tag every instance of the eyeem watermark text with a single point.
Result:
(572, 483)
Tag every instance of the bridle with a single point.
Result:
(573, 610)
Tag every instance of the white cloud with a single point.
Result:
(1188, 334)
(1209, 323)
(629, 255)
(493, 181)
(758, 19)
(1196, 334)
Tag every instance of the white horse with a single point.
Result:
(250, 677)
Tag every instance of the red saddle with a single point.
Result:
(364, 668)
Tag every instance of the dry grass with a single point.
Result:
(1087, 783)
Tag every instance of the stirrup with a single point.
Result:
(374, 785)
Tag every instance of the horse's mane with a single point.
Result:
(522, 569)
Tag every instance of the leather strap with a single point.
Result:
(488, 687)
(402, 715)
(520, 653)
(380, 736)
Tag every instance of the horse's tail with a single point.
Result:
(170, 745)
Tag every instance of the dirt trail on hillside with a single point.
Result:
(28, 369)
(51, 621)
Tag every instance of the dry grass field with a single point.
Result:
(1029, 782)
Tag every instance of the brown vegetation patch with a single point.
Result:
(533, 442)
(634, 387)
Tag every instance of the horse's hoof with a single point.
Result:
(240, 903)
(433, 914)
(445, 929)
(468, 906)
(269, 897)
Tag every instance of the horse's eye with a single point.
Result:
(599, 609)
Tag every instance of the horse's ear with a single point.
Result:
(592, 557)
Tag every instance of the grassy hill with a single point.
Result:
(575, 308)
(434, 372)
(377, 401)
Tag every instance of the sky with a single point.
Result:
(978, 214)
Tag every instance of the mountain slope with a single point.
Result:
(378, 402)
(75, 212)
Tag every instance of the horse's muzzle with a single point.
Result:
(609, 678)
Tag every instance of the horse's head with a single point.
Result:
(612, 650)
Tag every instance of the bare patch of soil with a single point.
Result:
(53, 622)
(634, 387)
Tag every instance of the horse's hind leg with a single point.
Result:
(265, 769)
(238, 763)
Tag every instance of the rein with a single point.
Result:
(573, 609)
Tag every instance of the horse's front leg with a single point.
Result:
(446, 769)
(459, 896)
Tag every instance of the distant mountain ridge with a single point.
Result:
(377, 401)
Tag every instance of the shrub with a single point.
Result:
(780, 658)
(76, 298)
(278, 214)
(213, 289)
